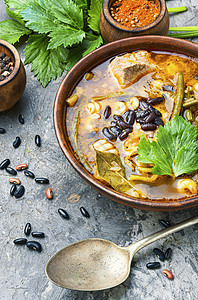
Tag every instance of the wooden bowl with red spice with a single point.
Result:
(127, 18)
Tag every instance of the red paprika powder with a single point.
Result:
(135, 13)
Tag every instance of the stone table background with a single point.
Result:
(22, 272)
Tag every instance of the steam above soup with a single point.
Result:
(130, 97)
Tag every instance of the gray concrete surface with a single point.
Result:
(22, 272)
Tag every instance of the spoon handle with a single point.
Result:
(161, 234)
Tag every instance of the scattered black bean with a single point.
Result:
(33, 245)
(113, 123)
(159, 253)
(117, 118)
(11, 171)
(38, 234)
(13, 189)
(157, 112)
(165, 223)
(148, 126)
(108, 134)
(27, 229)
(123, 124)
(4, 164)
(20, 241)
(19, 193)
(168, 253)
(17, 142)
(42, 180)
(140, 120)
(158, 121)
(38, 140)
(29, 173)
(153, 265)
(150, 117)
(129, 117)
(143, 105)
(107, 112)
(142, 113)
(115, 130)
(2, 130)
(169, 88)
(84, 212)
(156, 100)
(21, 119)
(125, 134)
(63, 213)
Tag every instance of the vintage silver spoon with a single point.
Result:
(97, 264)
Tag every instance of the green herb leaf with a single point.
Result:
(110, 168)
(175, 152)
(12, 14)
(17, 5)
(82, 4)
(94, 15)
(11, 31)
(65, 36)
(93, 44)
(46, 64)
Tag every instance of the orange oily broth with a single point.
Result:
(90, 130)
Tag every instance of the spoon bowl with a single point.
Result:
(97, 264)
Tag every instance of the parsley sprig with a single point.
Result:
(175, 151)
(60, 32)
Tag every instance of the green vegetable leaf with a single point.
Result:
(82, 4)
(46, 64)
(93, 44)
(12, 14)
(110, 168)
(11, 31)
(94, 15)
(65, 36)
(39, 17)
(175, 152)
(17, 5)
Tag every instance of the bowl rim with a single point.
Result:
(17, 62)
(120, 27)
(70, 81)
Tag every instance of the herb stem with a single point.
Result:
(187, 28)
(177, 9)
(184, 34)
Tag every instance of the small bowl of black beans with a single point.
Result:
(12, 76)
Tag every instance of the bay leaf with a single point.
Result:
(110, 168)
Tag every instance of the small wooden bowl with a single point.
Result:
(90, 61)
(12, 88)
(113, 31)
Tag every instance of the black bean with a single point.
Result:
(113, 123)
(4, 164)
(142, 113)
(27, 229)
(108, 134)
(11, 171)
(115, 130)
(153, 265)
(29, 173)
(33, 245)
(123, 124)
(21, 119)
(117, 118)
(13, 189)
(129, 117)
(150, 117)
(167, 87)
(42, 180)
(156, 100)
(165, 223)
(2, 130)
(143, 105)
(20, 241)
(84, 212)
(17, 142)
(148, 126)
(38, 234)
(107, 112)
(157, 112)
(19, 193)
(140, 120)
(38, 140)
(168, 253)
(158, 121)
(63, 213)
(125, 134)
(159, 253)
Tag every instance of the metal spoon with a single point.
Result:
(97, 264)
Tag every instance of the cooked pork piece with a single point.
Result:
(129, 67)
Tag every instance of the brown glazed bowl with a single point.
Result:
(71, 80)
(113, 31)
(12, 88)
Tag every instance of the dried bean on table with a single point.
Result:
(4, 164)
(20, 241)
(33, 245)
(27, 229)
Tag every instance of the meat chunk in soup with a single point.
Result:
(129, 67)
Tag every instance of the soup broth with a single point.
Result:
(106, 92)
